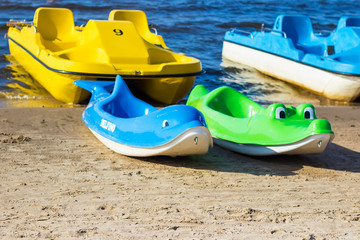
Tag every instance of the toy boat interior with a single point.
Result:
(223, 102)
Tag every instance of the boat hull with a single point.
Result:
(194, 141)
(311, 145)
(325, 83)
(168, 90)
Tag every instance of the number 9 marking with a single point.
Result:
(118, 32)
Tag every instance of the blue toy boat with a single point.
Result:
(328, 65)
(131, 127)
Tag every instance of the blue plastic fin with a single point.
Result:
(121, 89)
(123, 96)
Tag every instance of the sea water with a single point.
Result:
(195, 28)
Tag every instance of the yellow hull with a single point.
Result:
(59, 85)
(96, 52)
(176, 88)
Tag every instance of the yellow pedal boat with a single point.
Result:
(56, 52)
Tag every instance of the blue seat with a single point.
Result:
(348, 22)
(299, 29)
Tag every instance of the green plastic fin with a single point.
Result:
(198, 92)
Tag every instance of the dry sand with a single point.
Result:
(59, 182)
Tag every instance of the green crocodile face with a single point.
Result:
(284, 124)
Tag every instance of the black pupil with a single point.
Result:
(307, 114)
(282, 114)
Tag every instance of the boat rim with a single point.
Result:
(324, 69)
(101, 74)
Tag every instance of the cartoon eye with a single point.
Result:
(309, 113)
(280, 113)
(165, 123)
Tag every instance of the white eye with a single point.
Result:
(280, 113)
(309, 113)
(165, 123)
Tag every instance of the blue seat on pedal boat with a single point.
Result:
(300, 30)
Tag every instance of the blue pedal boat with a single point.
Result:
(132, 127)
(326, 64)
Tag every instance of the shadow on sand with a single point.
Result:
(335, 157)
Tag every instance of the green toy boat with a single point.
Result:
(242, 125)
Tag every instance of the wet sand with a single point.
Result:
(57, 181)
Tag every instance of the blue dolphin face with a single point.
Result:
(174, 117)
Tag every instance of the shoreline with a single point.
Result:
(58, 181)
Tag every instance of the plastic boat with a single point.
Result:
(56, 52)
(326, 64)
(242, 125)
(132, 127)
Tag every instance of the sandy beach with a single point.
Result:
(57, 181)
